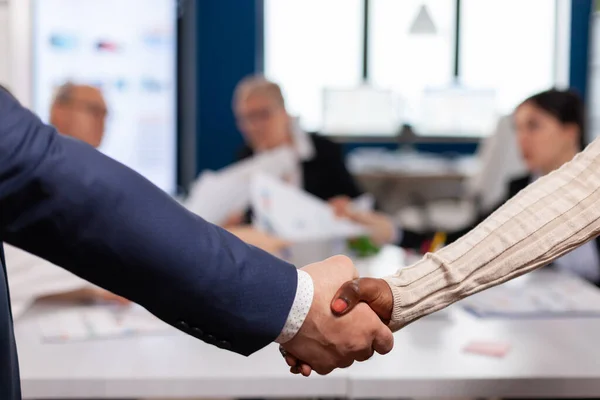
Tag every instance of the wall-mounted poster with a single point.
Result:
(127, 49)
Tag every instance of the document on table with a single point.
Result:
(543, 294)
(86, 323)
(292, 214)
(217, 195)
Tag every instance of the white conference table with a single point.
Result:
(548, 358)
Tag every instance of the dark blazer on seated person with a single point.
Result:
(324, 174)
(64, 201)
(415, 240)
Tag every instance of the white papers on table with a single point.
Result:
(216, 195)
(85, 323)
(541, 294)
(292, 214)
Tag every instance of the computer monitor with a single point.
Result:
(360, 112)
(456, 112)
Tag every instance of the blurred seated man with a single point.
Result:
(259, 108)
(550, 132)
(80, 112)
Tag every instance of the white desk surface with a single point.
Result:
(551, 358)
(168, 366)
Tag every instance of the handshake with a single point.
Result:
(347, 320)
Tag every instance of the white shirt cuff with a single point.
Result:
(300, 308)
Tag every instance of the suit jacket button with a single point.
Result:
(197, 332)
(183, 325)
(210, 338)
(225, 345)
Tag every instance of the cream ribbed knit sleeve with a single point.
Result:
(544, 221)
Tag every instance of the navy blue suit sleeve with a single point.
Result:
(66, 202)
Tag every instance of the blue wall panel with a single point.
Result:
(580, 40)
(227, 37)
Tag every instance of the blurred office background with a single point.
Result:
(355, 70)
(411, 89)
(418, 94)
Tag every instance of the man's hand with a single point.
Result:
(326, 342)
(87, 295)
(340, 205)
(233, 220)
(381, 227)
(376, 293)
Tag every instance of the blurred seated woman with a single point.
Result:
(550, 132)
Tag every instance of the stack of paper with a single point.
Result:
(217, 195)
(85, 323)
(292, 214)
